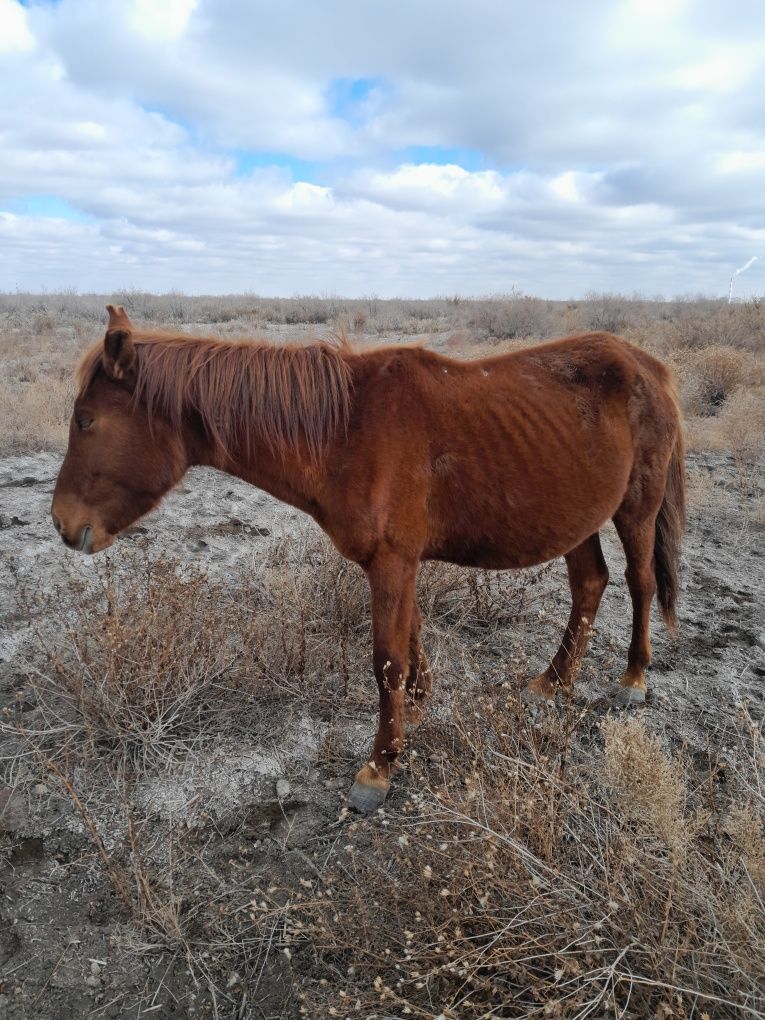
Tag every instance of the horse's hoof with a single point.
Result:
(366, 799)
(626, 697)
(538, 691)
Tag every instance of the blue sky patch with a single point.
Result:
(468, 159)
(300, 169)
(352, 99)
(48, 206)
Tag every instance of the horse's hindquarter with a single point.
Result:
(531, 456)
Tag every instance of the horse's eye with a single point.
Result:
(83, 422)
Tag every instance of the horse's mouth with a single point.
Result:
(88, 543)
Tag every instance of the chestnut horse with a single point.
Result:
(401, 454)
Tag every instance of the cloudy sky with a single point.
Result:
(387, 147)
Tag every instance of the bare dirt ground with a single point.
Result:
(173, 857)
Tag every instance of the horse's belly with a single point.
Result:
(511, 550)
(512, 526)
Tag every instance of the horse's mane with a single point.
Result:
(282, 395)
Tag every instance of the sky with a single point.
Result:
(395, 148)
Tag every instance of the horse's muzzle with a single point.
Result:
(82, 543)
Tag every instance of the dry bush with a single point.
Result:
(649, 786)
(532, 878)
(35, 416)
(142, 655)
(741, 425)
(710, 376)
(517, 316)
(711, 324)
(604, 312)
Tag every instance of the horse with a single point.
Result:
(402, 454)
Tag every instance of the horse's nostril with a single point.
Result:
(57, 524)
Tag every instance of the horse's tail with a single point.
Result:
(670, 525)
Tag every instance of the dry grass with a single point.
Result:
(140, 657)
(534, 879)
(151, 653)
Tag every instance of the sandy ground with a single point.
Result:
(63, 950)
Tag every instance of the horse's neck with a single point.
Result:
(285, 477)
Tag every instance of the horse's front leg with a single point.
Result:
(392, 581)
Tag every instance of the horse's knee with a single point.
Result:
(389, 670)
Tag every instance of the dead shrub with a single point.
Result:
(35, 415)
(517, 316)
(712, 375)
(534, 878)
(711, 324)
(647, 784)
(741, 424)
(140, 656)
(604, 312)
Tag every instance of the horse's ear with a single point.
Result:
(118, 318)
(119, 355)
(119, 350)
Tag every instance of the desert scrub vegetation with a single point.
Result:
(143, 670)
(527, 877)
(715, 348)
(568, 864)
(146, 654)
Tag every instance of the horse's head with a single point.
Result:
(119, 463)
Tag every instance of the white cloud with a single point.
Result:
(14, 30)
(394, 148)
(161, 19)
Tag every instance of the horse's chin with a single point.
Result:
(98, 543)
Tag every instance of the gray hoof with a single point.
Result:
(626, 697)
(535, 702)
(366, 799)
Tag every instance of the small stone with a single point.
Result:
(283, 789)
(92, 981)
(95, 968)
(40, 789)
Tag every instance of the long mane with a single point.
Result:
(244, 391)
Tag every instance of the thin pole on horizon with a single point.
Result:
(742, 269)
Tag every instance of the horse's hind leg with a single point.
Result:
(637, 530)
(587, 578)
(419, 681)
